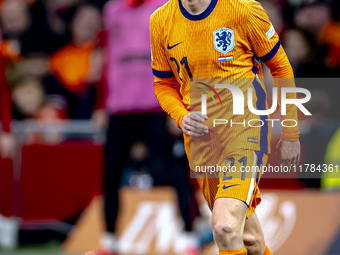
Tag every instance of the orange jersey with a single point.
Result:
(228, 40)
(71, 65)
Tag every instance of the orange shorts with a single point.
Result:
(237, 177)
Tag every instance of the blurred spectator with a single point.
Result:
(296, 47)
(312, 16)
(311, 42)
(15, 19)
(136, 116)
(315, 63)
(59, 15)
(321, 57)
(77, 65)
(274, 15)
(312, 45)
(28, 25)
(28, 97)
(316, 136)
(330, 34)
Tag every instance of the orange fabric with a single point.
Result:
(331, 35)
(180, 45)
(169, 98)
(71, 65)
(233, 252)
(188, 50)
(9, 51)
(246, 189)
(203, 60)
(283, 75)
(267, 251)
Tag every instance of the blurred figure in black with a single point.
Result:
(136, 116)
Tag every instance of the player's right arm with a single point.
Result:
(164, 86)
(267, 46)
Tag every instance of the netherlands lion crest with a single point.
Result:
(224, 40)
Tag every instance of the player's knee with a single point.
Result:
(226, 236)
(254, 243)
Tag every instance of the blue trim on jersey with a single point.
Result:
(201, 16)
(255, 69)
(163, 74)
(261, 105)
(259, 164)
(272, 53)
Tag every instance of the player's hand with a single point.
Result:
(191, 124)
(289, 153)
(6, 145)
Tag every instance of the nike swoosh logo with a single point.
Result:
(173, 46)
(225, 187)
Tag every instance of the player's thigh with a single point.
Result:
(228, 221)
(120, 135)
(229, 213)
(154, 133)
(208, 184)
(240, 180)
(253, 237)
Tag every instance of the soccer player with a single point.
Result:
(129, 101)
(223, 39)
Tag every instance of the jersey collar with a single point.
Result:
(201, 16)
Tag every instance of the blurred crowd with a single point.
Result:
(310, 33)
(55, 62)
(54, 57)
(54, 50)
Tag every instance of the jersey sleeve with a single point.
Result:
(261, 33)
(164, 84)
(283, 75)
(160, 65)
(169, 99)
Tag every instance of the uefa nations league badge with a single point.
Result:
(224, 40)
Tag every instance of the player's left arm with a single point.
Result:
(283, 75)
(266, 44)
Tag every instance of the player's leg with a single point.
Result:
(240, 183)
(175, 176)
(172, 171)
(154, 133)
(253, 236)
(228, 220)
(119, 139)
(228, 217)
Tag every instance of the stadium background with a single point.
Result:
(50, 189)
